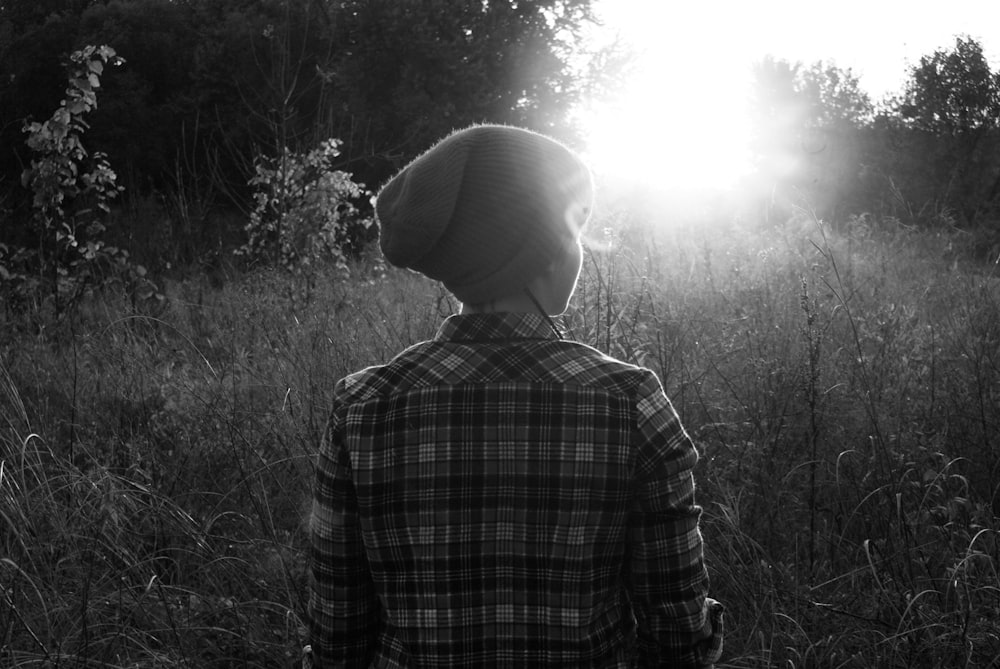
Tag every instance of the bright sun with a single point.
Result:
(680, 122)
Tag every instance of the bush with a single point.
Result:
(72, 189)
(303, 209)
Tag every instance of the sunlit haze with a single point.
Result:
(681, 120)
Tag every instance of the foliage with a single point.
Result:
(154, 471)
(805, 122)
(946, 134)
(426, 69)
(953, 91)
(145, 106)
(303, 210)
(927, 157)
(834, 97)
(230, 79)
(849, 451)
(154, 485)
(798, 97)
(72, 190)
(54, 177)
(212, 85)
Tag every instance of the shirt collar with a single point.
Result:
(503, 326)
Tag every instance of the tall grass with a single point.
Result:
(844, 387)
(155, 468)
(843, 384)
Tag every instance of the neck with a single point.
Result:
(526, 303)
(518, 304)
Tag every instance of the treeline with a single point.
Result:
(210, 88)
(927, 156)
(207, 87)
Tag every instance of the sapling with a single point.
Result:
(72, 190)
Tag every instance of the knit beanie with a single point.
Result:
(485, 210)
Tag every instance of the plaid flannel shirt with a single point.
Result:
(498, 497)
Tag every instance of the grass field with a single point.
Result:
(844, 385)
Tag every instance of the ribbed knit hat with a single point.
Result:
(485, 210)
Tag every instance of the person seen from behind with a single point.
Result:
(501, 496)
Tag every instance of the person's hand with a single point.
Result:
(710, 647)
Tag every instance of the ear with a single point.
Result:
(556, 284)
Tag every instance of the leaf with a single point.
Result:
(78, 107)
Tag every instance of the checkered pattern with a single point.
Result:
(496, 497)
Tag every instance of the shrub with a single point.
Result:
(303, 208)
(72, 190)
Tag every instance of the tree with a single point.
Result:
(949, 121)
(806, 123)
(145, 105)
(72, 188)
(953, 91)
(222, 83)
(834, 97)
(32, 79)
(409, 72)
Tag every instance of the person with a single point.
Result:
(501, 496)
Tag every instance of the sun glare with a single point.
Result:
(680, 123)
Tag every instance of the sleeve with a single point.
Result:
(667, 579)
(343, 607)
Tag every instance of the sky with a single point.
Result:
(680, 121)
(876, 38)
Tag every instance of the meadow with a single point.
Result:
(842, 383)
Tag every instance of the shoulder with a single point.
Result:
(379, 379)
(565, 363)
(588, 365)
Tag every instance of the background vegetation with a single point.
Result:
(185, 274)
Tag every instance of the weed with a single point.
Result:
(155, 466)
